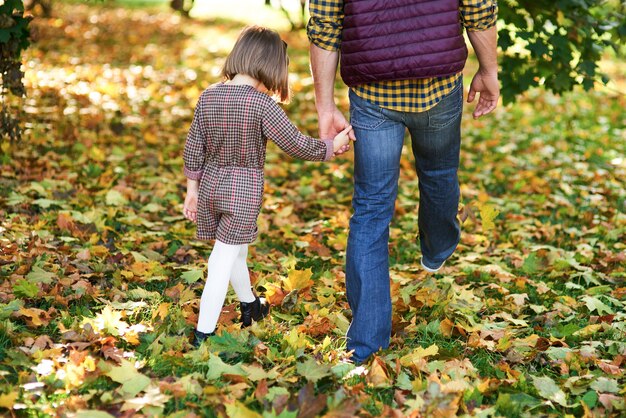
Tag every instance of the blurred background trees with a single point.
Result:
(557, 44)
(554, 44)
(13, 41)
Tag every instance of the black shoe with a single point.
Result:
(199, 337)
(256, 310)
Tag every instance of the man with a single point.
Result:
(402, 60)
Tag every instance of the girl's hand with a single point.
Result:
(190, 208)
(341, 143)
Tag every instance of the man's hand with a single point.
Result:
(324, 69)
(331, 123)
(486, 84)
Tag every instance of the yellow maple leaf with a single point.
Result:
(89, 364)
(296, 340)
(131, 337)
(97, 154)
(298, 280)
(419, 353)
(446, 327)
(161, 311)
(74, 375)
(237, 409)
(151, 138)
(36, 317)
(99, 250)
(7, 400)
(487, 214)
(110, 321)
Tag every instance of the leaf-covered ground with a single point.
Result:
(101, 277)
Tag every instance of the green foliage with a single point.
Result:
(14, 34)
(557, 44)
(26, 289)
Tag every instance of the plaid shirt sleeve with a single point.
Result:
(194, 153)
(478, 15)
(325, 24)
(278, 127)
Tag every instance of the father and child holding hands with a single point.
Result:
(403, 62)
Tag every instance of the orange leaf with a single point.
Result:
(274, 294)
(446, 327)
(65, 221)
(609, 368)
(261, 390)
(377, 375)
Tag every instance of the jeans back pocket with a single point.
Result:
(448, 110)
(363, 114)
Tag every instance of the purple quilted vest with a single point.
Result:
(401, 39)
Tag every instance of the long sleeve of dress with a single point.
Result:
(278, 128)
(194, 153)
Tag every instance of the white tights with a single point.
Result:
(225, 262)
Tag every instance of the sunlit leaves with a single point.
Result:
(110, 321)
(414, 357)
(541, 41)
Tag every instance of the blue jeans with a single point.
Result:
(436, 138)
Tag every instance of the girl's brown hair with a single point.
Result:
(260, 53)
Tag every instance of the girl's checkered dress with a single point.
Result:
(225, 151)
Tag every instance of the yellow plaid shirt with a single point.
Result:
(417, 95)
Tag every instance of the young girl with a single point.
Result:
(224, 157)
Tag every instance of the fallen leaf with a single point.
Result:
(298, 280)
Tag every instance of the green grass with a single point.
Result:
(485, 362)
(6, 343)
